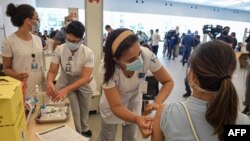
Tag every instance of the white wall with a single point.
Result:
(153, 7)
(9, 28)
(61, 3)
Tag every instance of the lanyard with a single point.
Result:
(33, 55)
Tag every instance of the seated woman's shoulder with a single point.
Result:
(170, 106)
(242, 119)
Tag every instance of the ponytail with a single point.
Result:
(214, 63)
(223, 108)
(248, 82)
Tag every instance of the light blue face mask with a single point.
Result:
(36, 27)
(135, 65)
(72, 46)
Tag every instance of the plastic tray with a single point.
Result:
(38, 120)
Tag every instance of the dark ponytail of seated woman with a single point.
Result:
(215, 75)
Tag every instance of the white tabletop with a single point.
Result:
(34, 127)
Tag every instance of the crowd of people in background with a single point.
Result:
(173, 44)
(45, 36)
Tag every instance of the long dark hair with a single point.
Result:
(214, 63)
(248, 82)
(109, 63)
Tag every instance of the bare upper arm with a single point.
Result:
(7, 62)
(53, 68)
(157, 134)
(112, 97)
(162, 75)
(86, 72)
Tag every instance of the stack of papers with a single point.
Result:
(61, 133)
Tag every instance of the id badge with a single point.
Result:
(34, 66)
(68, 68)
(144, 87)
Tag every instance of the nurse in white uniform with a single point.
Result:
(123, 75)
(22, 51)
(75, 80)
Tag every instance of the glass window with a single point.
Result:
(164, 23)
(54, 17)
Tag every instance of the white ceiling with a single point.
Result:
(230, 4)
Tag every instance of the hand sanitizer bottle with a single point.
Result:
(35, 99)
(43, 110)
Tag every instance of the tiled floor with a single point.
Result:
(178, 73)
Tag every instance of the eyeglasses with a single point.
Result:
(37, 19)
(133, 59)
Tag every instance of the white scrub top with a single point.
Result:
(83, 57)
(20, 51)
(128, 88)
